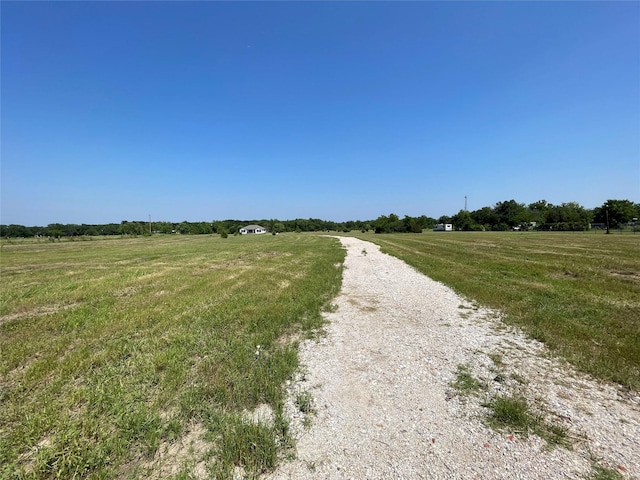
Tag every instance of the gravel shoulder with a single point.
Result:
(383, 402)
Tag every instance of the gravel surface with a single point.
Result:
(384, 405)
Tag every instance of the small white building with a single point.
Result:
(443, 227)
(249, 229)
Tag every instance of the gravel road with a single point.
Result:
(384, 405)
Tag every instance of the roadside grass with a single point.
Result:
(603, 473)
(465, 383)
(508, 412)
(114, 351)
(512, 412)
(305, 402)
(579, 293)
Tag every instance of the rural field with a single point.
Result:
(118, 356)
(579, 293)
(152, 357)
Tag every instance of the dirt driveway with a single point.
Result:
(385, 406)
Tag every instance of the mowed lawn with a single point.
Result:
(145, 357)
(577, 292)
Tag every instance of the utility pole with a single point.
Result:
(149, 224)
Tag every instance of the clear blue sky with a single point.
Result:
(342, 111)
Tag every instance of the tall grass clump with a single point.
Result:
(514, 414)
(140, 357)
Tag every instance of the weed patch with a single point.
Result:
(304, 401)
(602, 473)
(514, 414)
(466, 383)
(511, 413)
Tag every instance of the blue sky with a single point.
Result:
(336, 110)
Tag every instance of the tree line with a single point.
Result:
(506, 215)
(511, 215)
(544, 216)
(57, 230)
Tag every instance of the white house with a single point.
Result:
(252, 229)
(443, 227)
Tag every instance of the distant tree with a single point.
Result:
(381, 224)
(162, 227)
(395, 224)
(351, 225)
(38, 231)
(91, 230)
(55, 230)
(202, 228)
(129, 228)
(388, 224)
(620, 212)
(299, 224)
(392, 224)
(16, 231)
(411, 224)
(109, 229)
(538, 210)
(574, 212)
(485, 217)
(72, 230)
(426, 222)
(509, 213)
(569, 216)
(330, 226)
(183, 228)
(218, 227)
(540, 205)
(316, 225)
(276, 226)
(464, 221)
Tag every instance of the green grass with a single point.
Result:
(514, 414)
(305, 402)
(603, 473)
(466, 383)
(115, 351)
(509, 412)
(578, 293)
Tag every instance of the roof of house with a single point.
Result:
(253, 227)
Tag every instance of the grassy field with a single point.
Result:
(577, 292)
(144, 357)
